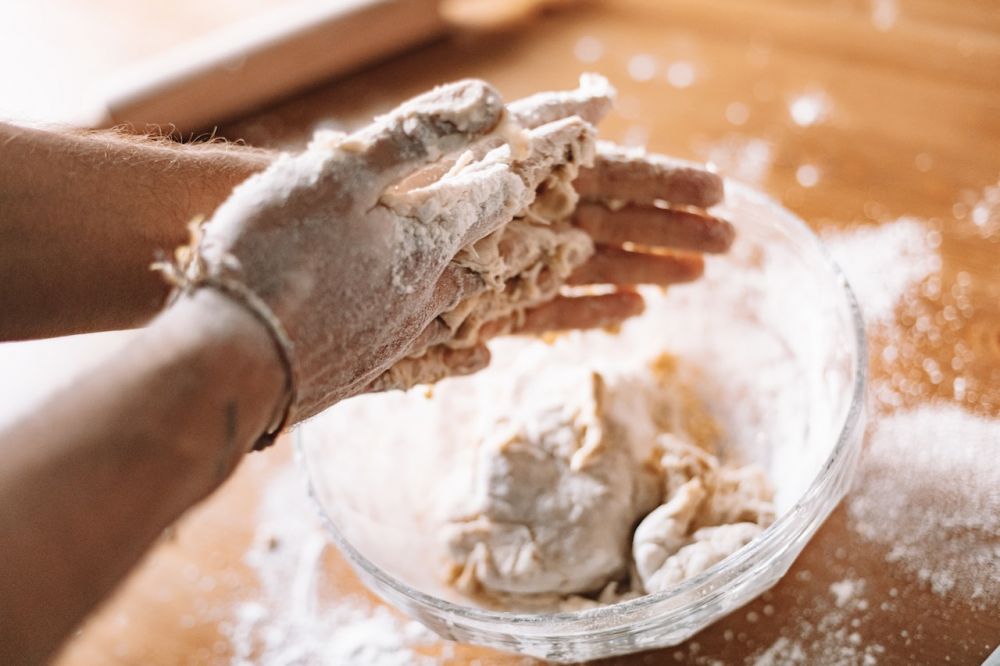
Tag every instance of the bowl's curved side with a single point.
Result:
(669, 617)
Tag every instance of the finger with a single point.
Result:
(457, 362)
(425, 128)
(436, 364)
(581, 312)
(612, 265)
(591, 101)
(486, 194)
(633, 176)
(655, 227)
(454, 285)
(565, 141)
(435, 333)
(557, 144)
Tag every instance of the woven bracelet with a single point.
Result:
(188, 272)
(243, 296)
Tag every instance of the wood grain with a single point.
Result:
(912, 127)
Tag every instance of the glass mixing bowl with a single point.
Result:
(780, 342)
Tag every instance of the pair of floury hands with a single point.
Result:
(346, 250)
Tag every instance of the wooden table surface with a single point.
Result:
(910, 126)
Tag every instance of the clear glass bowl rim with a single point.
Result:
(745, 562)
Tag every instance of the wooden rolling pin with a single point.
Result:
(272, 55)
(262, 59)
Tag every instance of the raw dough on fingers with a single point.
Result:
(523, 263)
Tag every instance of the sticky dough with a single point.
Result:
(605, 486)
(523, 264)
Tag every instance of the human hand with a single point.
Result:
(646, 221)
(345, 281)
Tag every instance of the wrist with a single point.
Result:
(239, 369)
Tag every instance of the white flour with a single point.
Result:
(923, 490)
(922, 493)
(836, 637)
(846, 590)
(930, 493)
(982, 209)
(890, 268)
(884, 14)
(288, 622)
(882, 262)
(809, 108)
(745, 159)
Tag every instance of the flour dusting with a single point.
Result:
(288, 621)
(834, 635)
(923, 491)
(882, 262)
(746, 159)
(929, 492)
(846, 590)
(982, 209)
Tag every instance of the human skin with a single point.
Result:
(94, 476)
(91, 478)
(83, 216)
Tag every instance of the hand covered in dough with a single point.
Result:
(645, 213)
(621, 219)
(347, 283)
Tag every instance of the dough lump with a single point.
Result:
(598, 487)
(557, 493)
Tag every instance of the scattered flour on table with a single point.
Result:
(846, 590)
(809, 108)
(913, 317)
(929, 490)
(747, 159)
(287, 621)
(882, 262)
(884, 14)
(982, 209)
(837, 637)
(923, 489)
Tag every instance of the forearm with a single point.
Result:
(89, 483)
(82, 216)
